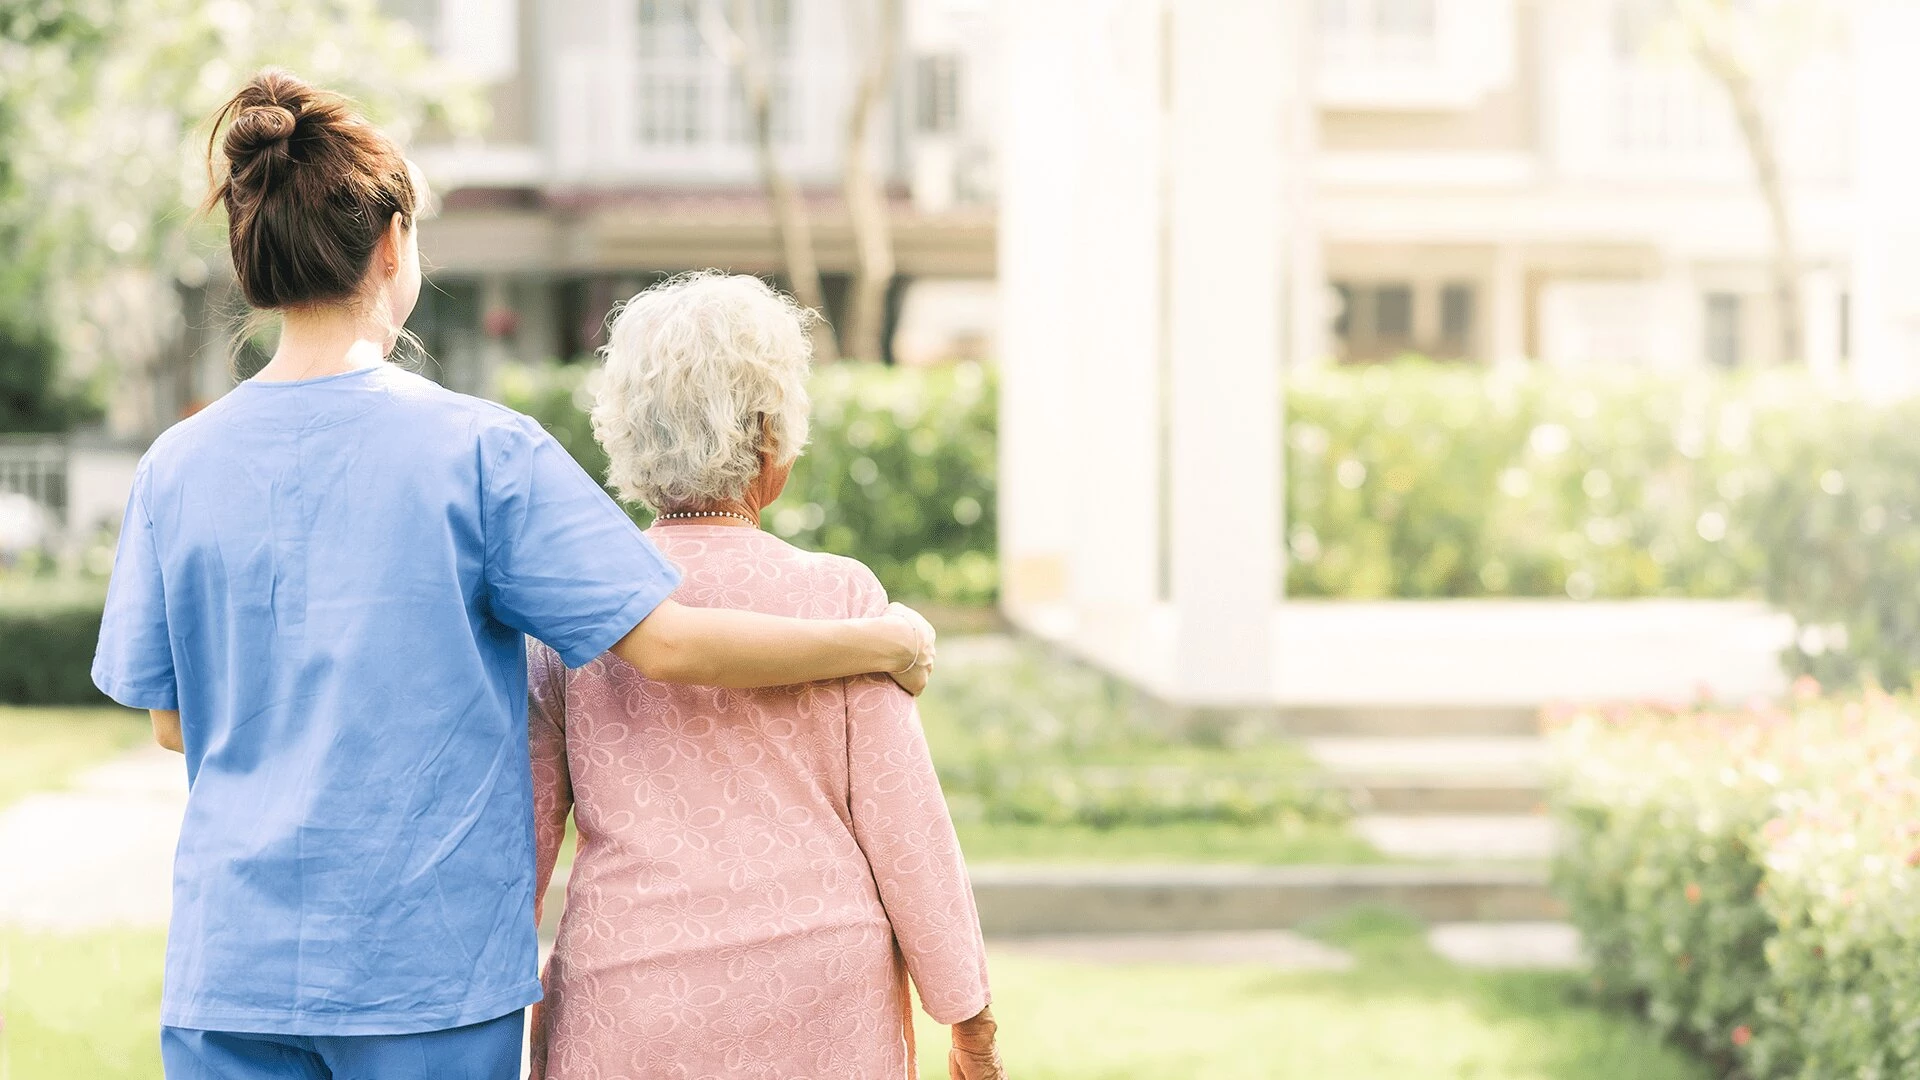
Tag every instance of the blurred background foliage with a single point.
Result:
(102, 111)
(1418, 480)
(899, 473)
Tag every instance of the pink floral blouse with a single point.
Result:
(753, 866)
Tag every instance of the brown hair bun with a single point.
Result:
(257, 129)
(308, 186)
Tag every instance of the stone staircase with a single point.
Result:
(1454, 796)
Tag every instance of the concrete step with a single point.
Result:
(1464, 774)
(1530, 837)
(1409, 720)
(1025, 900)
(1401, 794)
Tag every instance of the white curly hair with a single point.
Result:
(703, 373)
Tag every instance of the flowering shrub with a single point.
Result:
(1752, 880)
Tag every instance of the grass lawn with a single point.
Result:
(45, 747)
(1401, 1014)
(87, 1007)
(83, 1006)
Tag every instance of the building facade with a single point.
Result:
(619, 151)
(1489, 179)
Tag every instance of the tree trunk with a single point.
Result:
(789, 213)
(1758, 136)
(866, 201)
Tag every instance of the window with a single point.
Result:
(1846, 327)
(672, 62)
(1723, 330)
(937, 94)
(669, 29)
(1343, 312)
(1456, 317)
(1404, 19)
(774, 26)
(1379, 31)
(1393, 313)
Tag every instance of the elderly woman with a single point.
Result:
(758, 872)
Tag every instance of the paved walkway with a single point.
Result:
(98, 854)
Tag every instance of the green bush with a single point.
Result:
(899, 474)
(1752, 881)
(47, 634)
(1423, 480)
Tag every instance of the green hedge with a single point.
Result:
(900, 472)
(47, 635)
(1752, 881)
(1423, 480)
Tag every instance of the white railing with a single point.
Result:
(36, 467)
(1670, 121)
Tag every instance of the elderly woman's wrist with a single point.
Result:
(977, 1032)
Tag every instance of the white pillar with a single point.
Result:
(1507, 307)
(1886, 170)
(1226, 283)
(1040, 186)
(1820, 322)
(1309, 310)
(1677, 331)
(1113, 308)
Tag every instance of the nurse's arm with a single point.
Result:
(166, 729)
(745, 649)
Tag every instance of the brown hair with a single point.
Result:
(309, 187)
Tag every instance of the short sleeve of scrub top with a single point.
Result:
(564, 564)
(134, 662)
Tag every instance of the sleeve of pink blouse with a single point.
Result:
(552, 786)
(900, 821)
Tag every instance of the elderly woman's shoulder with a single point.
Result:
(840, 575)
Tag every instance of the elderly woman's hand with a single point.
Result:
(974, 1056)
(914, 679)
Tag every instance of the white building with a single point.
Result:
(1493, 179)
(619, 152)
(1195, 195)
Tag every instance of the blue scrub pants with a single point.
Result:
(484, 1051)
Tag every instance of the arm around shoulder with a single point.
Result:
(747, 649)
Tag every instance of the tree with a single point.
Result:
(875, 26)
(738, 36)
(1738, 43)
(104, 139)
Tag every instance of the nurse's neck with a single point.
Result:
(331, 339)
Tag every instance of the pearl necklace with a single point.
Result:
(685, 514)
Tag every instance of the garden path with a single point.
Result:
(99, 853)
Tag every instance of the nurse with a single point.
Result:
(324, 585)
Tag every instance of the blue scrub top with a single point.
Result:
(331, 580)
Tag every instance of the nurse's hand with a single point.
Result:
(914, 678)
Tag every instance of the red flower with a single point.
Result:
(1693, 893)
(1742, 1035)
